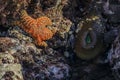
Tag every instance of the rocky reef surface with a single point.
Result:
(113, 57)
(21, 59)
(24, 60)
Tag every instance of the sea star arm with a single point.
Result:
(54, 30)
(43, 43)
(39, 42)
(43, 21)
(16, 23)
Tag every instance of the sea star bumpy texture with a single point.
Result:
(36, 28)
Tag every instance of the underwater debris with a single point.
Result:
(89, 40)
(36, 28)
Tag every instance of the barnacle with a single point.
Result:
(89, 41)
(36, 27)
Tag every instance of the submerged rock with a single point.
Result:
(11, 72)
(10, 68)
(21, 60)
(114, 58)
(111, 10)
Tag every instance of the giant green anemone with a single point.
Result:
(89, 41)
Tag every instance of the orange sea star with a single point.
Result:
(37, 28)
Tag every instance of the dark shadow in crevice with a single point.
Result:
(3, 28)
(76, 9)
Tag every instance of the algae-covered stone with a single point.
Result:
(15, 69)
